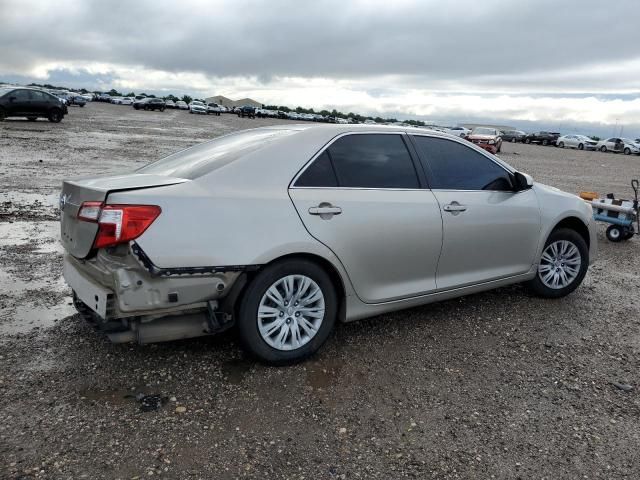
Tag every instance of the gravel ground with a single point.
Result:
(494, 385)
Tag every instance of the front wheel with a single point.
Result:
(562, 266)
(527, 140)
(627, 151)
(615, 233)
(561, 144)
(580, 146)
(545, 142)
(287, 312)
(603, 148)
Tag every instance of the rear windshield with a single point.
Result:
(201, 159)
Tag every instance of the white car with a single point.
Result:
(170, 104)
(214, 108)
(581, 142)
(182, 105)
(126, 101)
(116, 100)
(457, 131)
(197, 107)
(618, 145)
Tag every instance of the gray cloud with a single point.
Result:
(496, 44)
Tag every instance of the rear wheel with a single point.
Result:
(545, 142)
(513, 140)
(562, 266)
(580, 146)
(561, 144)
(527, 140)
(627, 151)
(287, 312)
(55, 115)
(603, 148)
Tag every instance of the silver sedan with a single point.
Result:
(581, 142)
(280, 232)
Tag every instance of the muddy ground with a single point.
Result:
(495, 385)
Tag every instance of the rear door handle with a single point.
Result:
(455, 208)
(325, 210)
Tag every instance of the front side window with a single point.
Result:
(455, 166)
(21, 95)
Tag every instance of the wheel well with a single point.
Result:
(574, 223)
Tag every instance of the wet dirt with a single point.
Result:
(494, 385)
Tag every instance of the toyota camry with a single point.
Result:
(280, 232)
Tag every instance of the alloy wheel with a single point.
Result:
(560, 264)
(291, 312)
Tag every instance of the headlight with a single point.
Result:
(492, 142)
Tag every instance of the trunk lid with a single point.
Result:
(77, 236)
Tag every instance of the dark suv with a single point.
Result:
(150, 104)
(247, 111)
(544, 138)
(31, 103)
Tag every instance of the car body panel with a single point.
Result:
(382, 265)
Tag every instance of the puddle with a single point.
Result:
(148, 402)
(26, 318)
(234, 371)
(42, 236)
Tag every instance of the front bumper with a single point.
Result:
(491, 148)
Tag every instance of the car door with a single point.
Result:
(39, 102)
(362, 198)
(490, 231)
(19, 103)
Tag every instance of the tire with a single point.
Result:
(513, 140)
(615, 233)
(539, 287)
(545, 142)
(248, 320)
(561, 144)
(3, 114)
(627, 151)
(81, 105)
(55, 116)
(32, 119)
(527, 140)
(603, 148)
(580, 146)
(629, 232)
(162, 109)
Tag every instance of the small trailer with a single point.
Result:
(621, 215)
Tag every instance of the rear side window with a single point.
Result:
(372, 161)
(319, 174)
(202, 159)
(455, 166)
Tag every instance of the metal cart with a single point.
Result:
(621, 215)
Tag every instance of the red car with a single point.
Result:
(487, 138)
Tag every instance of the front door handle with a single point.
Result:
(325, 210)
(455, 208)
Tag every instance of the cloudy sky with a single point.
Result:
(570, 64)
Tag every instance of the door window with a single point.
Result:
(454, 166)
(21, 95)
(364, 161)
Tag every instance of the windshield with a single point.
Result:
(197, 103)
(484, 131)
(197, 161)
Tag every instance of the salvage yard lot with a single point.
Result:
(499, 384)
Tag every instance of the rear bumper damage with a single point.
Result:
(132, 301)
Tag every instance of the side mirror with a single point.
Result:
(522, 181)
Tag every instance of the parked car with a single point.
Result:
(214, 109)
(127, 101)
(116, 100)
(170, 104)
(182, 105)
(512, 136)
(31, 103)
(359, 233)
(75, 99)
(247, 111)
(458, 131)
(486, 138)
(542, 137)
(618, 145)
(104, 97)
(581, 142)
(197, 107)
(149, 104)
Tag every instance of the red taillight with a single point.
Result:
(118, 223)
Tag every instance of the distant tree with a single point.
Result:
(325, 113)
(284, 108)
(130, 94)
(114, 93)
(186, 99)
(378, 120)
